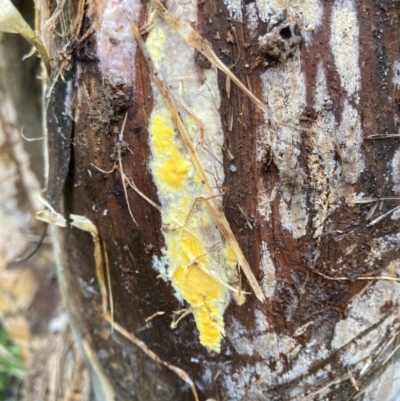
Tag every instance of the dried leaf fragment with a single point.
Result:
(11, 21)
(51, 217)
(229, 37)
(84, 224)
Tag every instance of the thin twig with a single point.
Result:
(360, 278)
(140, 344)
(378, 219)
(122, 170)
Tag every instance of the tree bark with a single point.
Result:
(302, 186)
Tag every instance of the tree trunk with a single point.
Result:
(261, 229)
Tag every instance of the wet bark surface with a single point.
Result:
(308, 302)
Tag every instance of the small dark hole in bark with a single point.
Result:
(397, 105)
(285, 33)
(138, 130)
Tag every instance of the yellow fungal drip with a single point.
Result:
(200, 261)
(185, 251)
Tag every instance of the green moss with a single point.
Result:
(12, 369)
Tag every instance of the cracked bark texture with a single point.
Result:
(290, 196)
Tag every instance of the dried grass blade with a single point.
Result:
(84, 224)
(378, 219)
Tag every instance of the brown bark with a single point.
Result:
(318, 242)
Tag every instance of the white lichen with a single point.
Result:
(345, 45)
(268, 268)
(354, 334)
(252, 17)
(234, 8)
(353, 338)
(264, 199)
(238, 336)
(262, 324)
(264, 343)
(386, 386)
(309, 12)
(323, 168)
(252, 379)
(350, 139)
(396, 171)
(287, 102)
(116, 45)
(396, 74)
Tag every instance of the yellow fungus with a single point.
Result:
(200, 261)
(185, 250)
(174, 171)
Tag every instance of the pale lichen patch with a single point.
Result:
(243, 384)
(366, 312)
(234, 8)
(268, 268)
(236, 384)
(387, 384)
(396, 74)
(308, 11)
(396, 171)
(324, 171)
(354, 333)
(116, 46)
(262, 324)
(382, 245)
(350, 139)
(238, 337)
(287, 101)
(395, 215)
(252, 17)
(345, 45)
(263, 344)
(265, 198)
